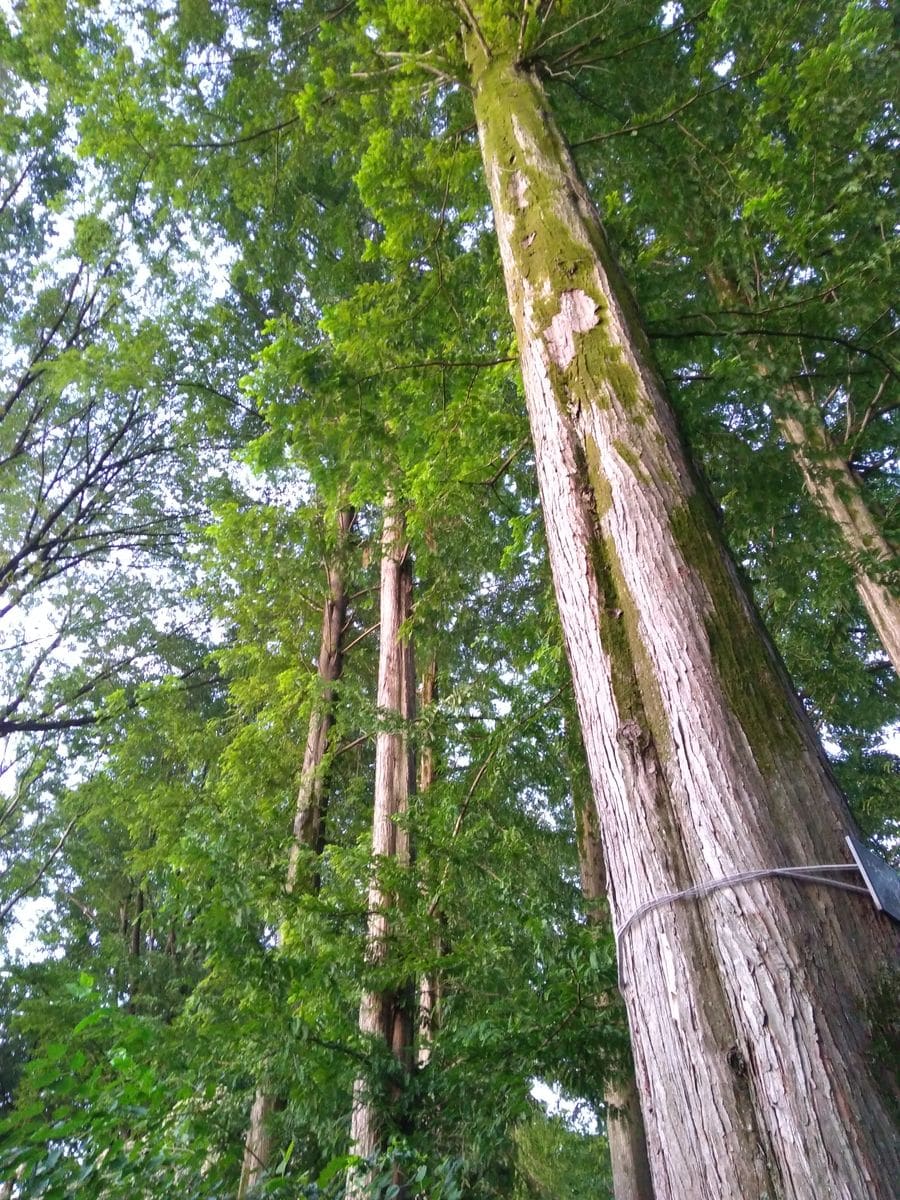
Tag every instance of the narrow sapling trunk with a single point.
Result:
(308, 818)
(624, 1122)
(748, 1006)
(386, 1015)
(137, 941)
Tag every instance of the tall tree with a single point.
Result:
(306, 840)
(697, 774)
(385, 1012)
(770, 259)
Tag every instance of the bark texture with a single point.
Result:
(308, 818)
(386, 1015)
(258, 1144)
(747, 1008)
(624, 1122)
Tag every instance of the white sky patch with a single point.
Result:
(577, 1114)
(21, 932)
(8, 13)
(724, 65)
(891, 741)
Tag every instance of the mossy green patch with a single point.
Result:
(557, 248)
(654, 717)
(748, 676)
(638, 698)
(601, 366)
(599, 484)
(628, 456)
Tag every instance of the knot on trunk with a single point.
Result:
(631, 734)
(737, 1062)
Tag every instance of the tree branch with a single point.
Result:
(854, 347)
(22, 892)
(638, 126)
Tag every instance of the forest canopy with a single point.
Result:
(448, 525)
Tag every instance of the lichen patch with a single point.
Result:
(577, 314)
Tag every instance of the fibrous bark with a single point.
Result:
(747, 1008)
(624, 1122)
(259, 1142)
(386, 1015)
(308, 818)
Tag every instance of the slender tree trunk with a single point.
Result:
(308, 820)
(386, 1016)
(136, 939)
(135, 942)
(835, 488)
(624, 1122)
(310, 810)
(429, 983)
(747, 1007)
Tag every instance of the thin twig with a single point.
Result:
(479, 775)
(54, 854)
(365, 633)
(444, 364)
(365, 737)
(638, 126)
(239, 141)
(793, 333)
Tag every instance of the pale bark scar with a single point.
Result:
(577, 314)
(518, 189)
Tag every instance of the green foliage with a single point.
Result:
(554, 1160)
(251, 268)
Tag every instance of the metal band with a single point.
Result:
(805, 874)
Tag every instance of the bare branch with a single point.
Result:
(238, 141)
(22, 892)
(638, 126)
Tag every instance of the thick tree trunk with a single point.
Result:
(624, 1122)
(747, 1007)
(386, 1016)
(308, 819)
(836, 490)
